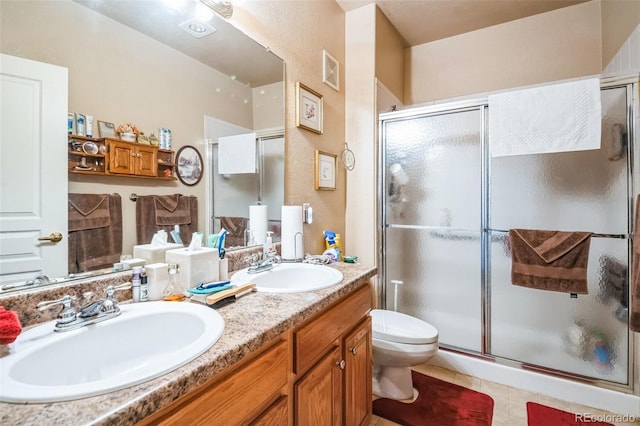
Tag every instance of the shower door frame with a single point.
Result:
(631, 83)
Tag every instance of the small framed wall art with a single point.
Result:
(325, 170)
(189, 165)
(309, 109)
(330, 71)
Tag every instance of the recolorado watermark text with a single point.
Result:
(611, 418)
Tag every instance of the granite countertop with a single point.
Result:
(250, 322)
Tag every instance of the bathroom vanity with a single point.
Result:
(297, 358)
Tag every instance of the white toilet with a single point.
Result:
(399, 342)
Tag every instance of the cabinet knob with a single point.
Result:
(341, 364)
(354, 350)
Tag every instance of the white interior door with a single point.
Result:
(33, 172)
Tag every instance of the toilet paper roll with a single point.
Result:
(291, 242)
(258, 223)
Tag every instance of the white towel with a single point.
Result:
(237, 154)
(554, 118)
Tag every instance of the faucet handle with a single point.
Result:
(65, 301)
(39, 280)
(67, 314)
(253, 259)
(112, 289)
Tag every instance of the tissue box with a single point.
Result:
(196, 266)
(153, 253)
(157, 279)
(131, 263)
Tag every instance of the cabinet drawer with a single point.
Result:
(313, 339)
(233, 399)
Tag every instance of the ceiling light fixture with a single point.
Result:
(223, 8)
(197, 29)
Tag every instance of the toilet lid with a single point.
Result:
(397, 327)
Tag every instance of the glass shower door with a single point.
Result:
(573, 191)
(432, 222)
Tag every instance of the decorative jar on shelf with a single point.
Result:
(128, 137)
(153, 140)
(128, 132)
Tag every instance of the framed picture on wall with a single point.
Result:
(309, 108)
(106, 129)
(330, 71)
(325, 170)
(189, 165)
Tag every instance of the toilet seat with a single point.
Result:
(400, 328)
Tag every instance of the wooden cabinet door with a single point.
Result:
(318, 395)
(276, 415)
(357, 372)
(121, 158)
(146, 161)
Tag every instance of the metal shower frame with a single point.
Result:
(481, 104)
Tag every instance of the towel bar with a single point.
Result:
(619, 236)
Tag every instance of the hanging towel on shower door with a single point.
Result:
(634, 317)
(237, 154)
(553, 118)
(550, 260)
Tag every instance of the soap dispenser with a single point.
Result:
(268, 248)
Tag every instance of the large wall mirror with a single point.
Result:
(151, 63)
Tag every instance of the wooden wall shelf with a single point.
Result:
(119, 158)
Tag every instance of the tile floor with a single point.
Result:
(509, 403)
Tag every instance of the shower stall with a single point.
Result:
(446, 208)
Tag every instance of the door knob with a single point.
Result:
(54, 237)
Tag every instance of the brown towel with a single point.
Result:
(550, 260)
(236, 227)
(172, 209)
(634, 317)
(146, 218)
(88, 211)
(97, 248)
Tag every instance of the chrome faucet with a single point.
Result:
(103, 309)
(270, 259)
(35, 282)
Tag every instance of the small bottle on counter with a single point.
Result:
(174, 292)
(144, 288)
(135, 281)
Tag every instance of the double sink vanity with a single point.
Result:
(289, 354)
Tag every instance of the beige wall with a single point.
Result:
(389, 55)
(298, 31)
(116, 74)
(557, 45)
(361, 212)
(64, 33)
(619, 19)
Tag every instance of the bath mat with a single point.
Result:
(439, 403)
(541, 415)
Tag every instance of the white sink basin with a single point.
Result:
(147, 340)
(290, 278)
